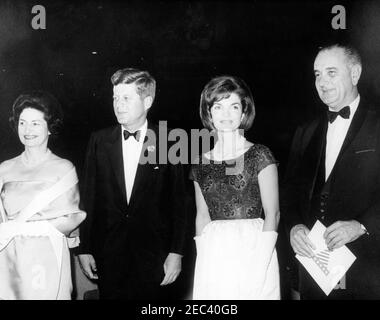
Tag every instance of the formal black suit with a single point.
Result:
(352, 192)
(130, 242)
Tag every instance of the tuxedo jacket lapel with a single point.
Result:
(143, 171)
(315, 148)
(352, 132)
(314, 151)
(116, 158)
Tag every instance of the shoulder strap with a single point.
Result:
(42, 199)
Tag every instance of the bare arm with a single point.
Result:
(203, 216)
(268, 183)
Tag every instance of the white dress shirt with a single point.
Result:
(131, 155)
(336, 133)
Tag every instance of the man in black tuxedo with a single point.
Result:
(333, 176)
(137, 221)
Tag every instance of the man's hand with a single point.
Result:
(299, 241)
(172, 268)
(342, 232)
(88, 265)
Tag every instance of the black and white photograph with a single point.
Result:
(189, 151)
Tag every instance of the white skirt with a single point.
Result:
(236, 260)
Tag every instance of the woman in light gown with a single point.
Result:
(39, 207)
(234, 183)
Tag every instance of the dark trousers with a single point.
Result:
(131, 276)
(124, 282)
(309, 290)
(133, 291)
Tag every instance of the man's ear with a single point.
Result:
(356, 71)
(148, 100)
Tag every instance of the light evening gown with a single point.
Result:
(35, 264)
(235, 259)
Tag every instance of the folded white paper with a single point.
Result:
(327, 267)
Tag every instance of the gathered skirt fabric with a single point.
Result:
(36, 267)
(236, 260)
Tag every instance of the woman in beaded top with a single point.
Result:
(236, 183)
(39, 207)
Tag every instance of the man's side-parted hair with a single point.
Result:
(220, 88)
(145, 83)
(42, 101)
(352, 54)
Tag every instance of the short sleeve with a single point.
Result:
(194, 171)
(193, 174)
(264, 158)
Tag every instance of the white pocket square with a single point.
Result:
(156, 168)
(366, 150)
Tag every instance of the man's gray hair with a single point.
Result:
(352, 55)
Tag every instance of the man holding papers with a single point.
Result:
(333, 176)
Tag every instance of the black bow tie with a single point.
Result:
(135, 134)
(344, 113)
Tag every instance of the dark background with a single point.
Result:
(270, 44)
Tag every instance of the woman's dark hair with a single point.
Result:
(221, 88)
(42, 101)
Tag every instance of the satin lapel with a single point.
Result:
(353, 130)
(314, 151)
(144, 170)
(116, 158)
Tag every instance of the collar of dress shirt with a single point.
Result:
(353, 106)
(142, 129)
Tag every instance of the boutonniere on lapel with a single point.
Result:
(149, 155)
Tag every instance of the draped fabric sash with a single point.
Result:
(48, 195)
(3, 216)
(32, 253)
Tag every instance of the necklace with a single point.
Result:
(42, 159)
